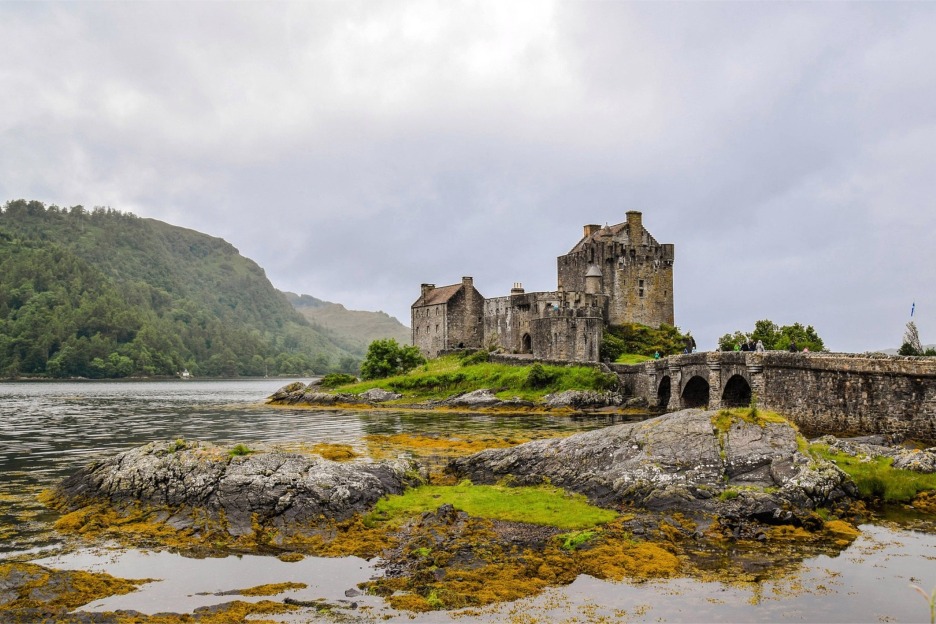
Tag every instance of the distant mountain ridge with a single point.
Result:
(895, 351)
(102, 293)
(357, 327)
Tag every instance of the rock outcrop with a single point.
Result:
(298, 393)
(917, 460)
(272, 489)
(688, 461)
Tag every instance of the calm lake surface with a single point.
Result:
(47, 430)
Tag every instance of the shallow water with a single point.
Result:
(49, 429)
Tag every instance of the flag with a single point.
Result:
(912, 308)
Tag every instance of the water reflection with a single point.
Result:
(49, 429)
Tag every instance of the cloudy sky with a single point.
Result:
(357, 149)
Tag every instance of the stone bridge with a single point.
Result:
(845, 394)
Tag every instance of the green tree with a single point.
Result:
(641, 339)
(774, 337)
(387, 357)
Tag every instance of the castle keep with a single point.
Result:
(614, 275)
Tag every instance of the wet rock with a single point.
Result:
(583, 399)
(379, 395)
(917, 460)
(676, 462)
(282, 490)
(289, 393)
(477, 398)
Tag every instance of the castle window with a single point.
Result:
(640, 283)
(641, 292)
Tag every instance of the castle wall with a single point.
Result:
(465, 311)
(637, 272)
(568, 334)
(615, 275)
(429, 326)
(507, 322)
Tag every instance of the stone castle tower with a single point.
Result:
(635, 271)
(614, 275)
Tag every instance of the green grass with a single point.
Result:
(445, 376)
(877, 479)
(723, 420)
(632, 358)
(240, 450)
(575, 539)
(545, 505)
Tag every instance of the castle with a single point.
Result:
(614, 275)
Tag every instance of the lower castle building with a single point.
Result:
(614, 275)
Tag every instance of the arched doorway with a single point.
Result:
(664, 392)
(526, 344)
(737, 392)
(696, 393)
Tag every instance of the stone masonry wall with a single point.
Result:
(843, 394)
(848, 394)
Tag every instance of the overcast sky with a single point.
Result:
(355, 150)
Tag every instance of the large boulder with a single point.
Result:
(687, 461)
(275, 489)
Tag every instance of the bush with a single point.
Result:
(641, 340)
(539, 377)
(386, 358)
(333, 380)
(478, 357)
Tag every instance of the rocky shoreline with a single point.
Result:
(683, 485)
(679, 462)
(313, 395)
(688, 462)
(194, 483)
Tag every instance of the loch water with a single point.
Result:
(47, 430)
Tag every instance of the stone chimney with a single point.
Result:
(517, 289)
(634, 226)
(591, 229)
(426, 288)
(467, 282)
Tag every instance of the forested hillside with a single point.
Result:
(102, 293)
(357, 327)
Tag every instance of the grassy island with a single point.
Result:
(449, 375)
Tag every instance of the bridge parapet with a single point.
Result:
(841, 393)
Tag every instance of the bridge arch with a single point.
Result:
(737, 392)
(695, 393)
(664, 392)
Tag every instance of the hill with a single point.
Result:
(896, 351)
(107, 294)
(356, 327)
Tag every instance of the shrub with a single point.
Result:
(387, 357)
(333, 380)
(539, 377)
(478, 357)
(642, 340)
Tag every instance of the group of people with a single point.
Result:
(750, 345)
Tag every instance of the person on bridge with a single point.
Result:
(793, 348)
(759, 347)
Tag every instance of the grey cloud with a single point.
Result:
(355, 150)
